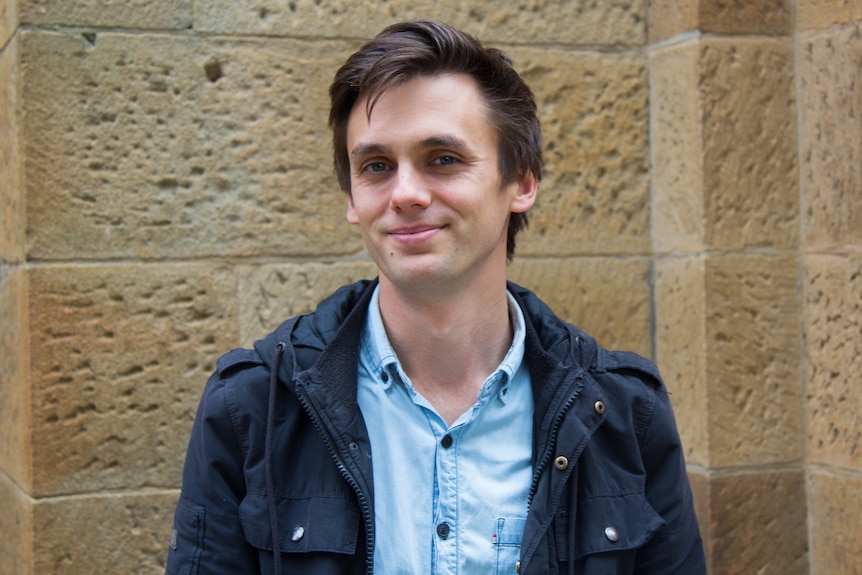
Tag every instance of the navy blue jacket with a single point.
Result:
(279, 457)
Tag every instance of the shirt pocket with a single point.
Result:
(507, 543)
(614, 523)
(312, 530)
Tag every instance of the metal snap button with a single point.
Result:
(561, 463)
(612, 534)
(297, 534)
(600, 407)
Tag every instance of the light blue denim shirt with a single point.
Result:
(446, 499)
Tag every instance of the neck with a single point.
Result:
(448, 346)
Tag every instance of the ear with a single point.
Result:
(351, 210)
(527, 187)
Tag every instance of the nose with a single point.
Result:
(409, 191)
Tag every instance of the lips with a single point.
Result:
(415, 234)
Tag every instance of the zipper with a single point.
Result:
(363, 501)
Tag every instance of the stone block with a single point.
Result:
(676, 134)
(8, 20)
(118, 534)
(579, 22)
(699, 482)
(811, 14)
(758, 523)
(669, 18)
(275, 292)
(594, 197)
(751, 197)
(836, 532)
(680, 342)
(151, 146)
(609, 298)
(753, 361)
(14, 384)
(11, 210)
(763, 17)
(832, 330)
(120, 354)
(16, 525)
(140, 14)
(830, 111)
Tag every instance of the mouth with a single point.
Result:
(415, 234)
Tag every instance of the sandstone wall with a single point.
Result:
(166, 195)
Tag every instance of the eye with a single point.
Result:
(375, 167)
(445, 160)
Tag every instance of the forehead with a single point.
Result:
(421, 108)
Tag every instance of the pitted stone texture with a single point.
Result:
(11, 210)
(146, 14)
(125, 533)
(14, 383)
(830, 65)
(832, 328)
(8, 20)
(16, 525)
(758, 523)
(765, 17)
(669, 18)
(609, 298)
(836, 532)
(676, 131)
(176, 146)
(699, 482)
(680, 306)
(120, 354)
(594, 197)
(812, 14)
(749, 143)
(753, 364)
(579, 22)
(275, 292)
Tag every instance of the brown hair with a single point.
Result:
(410, 49)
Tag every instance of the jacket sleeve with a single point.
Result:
(207, 536)
(676, 548)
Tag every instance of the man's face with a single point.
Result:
(425, 185)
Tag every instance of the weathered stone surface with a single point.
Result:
(609, 298)
(16, 525)
(111, 534)
(155, 146)
(676, 147)
(680, 343)
(836, 542)
(700, 482)
(669, 18)
(273, 293)
(120, 354)
(594, 197)
(758, 523)
(830, 102)
(11, 211)
(8, 20)
(581, 22)
(766, 17)
(146, 14)
(832, 328)
(749, 143)
(812, 14)
(14, 389)
(753, 364)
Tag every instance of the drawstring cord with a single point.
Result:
(270, 490)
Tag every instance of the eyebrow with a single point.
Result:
(441, 141)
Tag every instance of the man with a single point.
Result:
(437, 419)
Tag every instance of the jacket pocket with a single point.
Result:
(614, 523)
(306, 525)
(187, 539)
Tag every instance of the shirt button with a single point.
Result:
(446, 442)
(443, 530)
